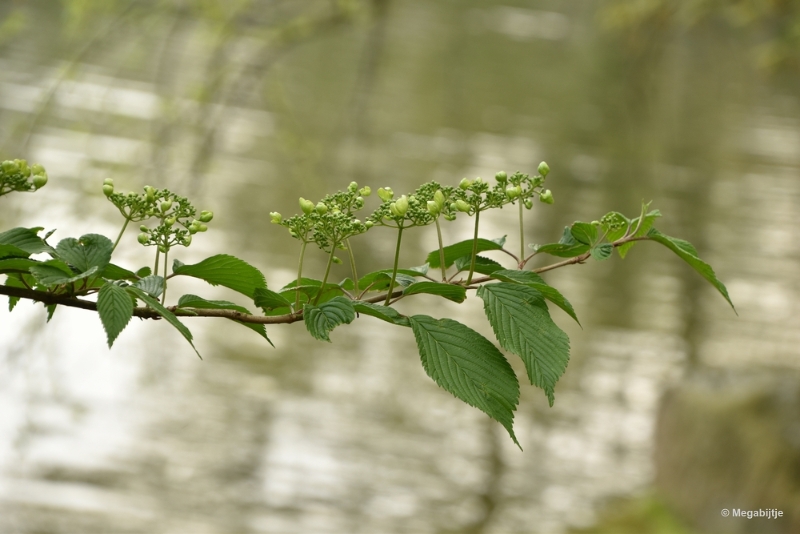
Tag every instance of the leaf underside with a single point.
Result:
(225, 270)
(320, 320)
(115, 307)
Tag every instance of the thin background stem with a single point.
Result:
(441, 251)
(352, 263)
(474, 246)
(396, 260)
(299, 275)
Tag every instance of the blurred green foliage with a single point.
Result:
(647, 515)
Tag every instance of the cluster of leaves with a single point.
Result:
(456, 357)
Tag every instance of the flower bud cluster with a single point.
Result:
(420, 208)
(17, 175)
(176, 219)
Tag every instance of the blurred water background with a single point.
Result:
(672, 407)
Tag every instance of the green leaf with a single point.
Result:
(384, 313)
(227, 271)
(23, 239)
(115, 307)
(320, 320)
(51, 309)
(522, 324)
(602, 252)
(617, 219)
(10, 251)
(688, 253)
(567, 238)
(16, 280)
(152, 284)
(193, 301)
(91, 250)
(144, 271)
(165, 313)
(584, 232)
(562, 250)
(267, 299)
(469, 366)
(48, 275)
(448, 291)
(115, 272)
(16, 265)
(458, 250)
(535, 281)
(482, 265)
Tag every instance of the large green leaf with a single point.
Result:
(460, 249)
(227, 271)
(11, 251)
(448, 291)
(115, 272)
(482, 265)
(584, 232)
(193, 301)
(49, 275)
(535, 281)
(320, 320)
(469, 366)
(384, 313)
(522, 324)
(16, 265)
(91, 250)
(115, 307)
(23, 239)
(688, 253)
(165, 313)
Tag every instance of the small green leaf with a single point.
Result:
(144, 271)
(267, 299)
(380, 280)
(152, 284)
(567, 246)
(227, 271)
(566, 237)
(448, 291)
(16, 280)
(48, 275)
(51, 309)
(91, 250)
(458, 250)
(469, 366)
(648, 220)
(602, 252)
(193, 301)
(584, 232)
(522, 324)
(24, 239)
(482, 265)
(535, 281)
(165, 313)
(384, 313)
(688, 253)
(115, 307)
(320, 320)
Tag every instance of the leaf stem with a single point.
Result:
(155, 268)
(124, 226)
(352, 262)
(521, 235)
(299, 275)
(474, 246)
(441, 250)
(327, 272)
(396, 260)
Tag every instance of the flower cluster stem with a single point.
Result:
(441, 251)
(299, 275)
(164, 294)
(124, 226)
(325, 279)
(474, 246)
(352, 263)
(396, 260)
(521, 233)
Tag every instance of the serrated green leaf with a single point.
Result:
(482, 265)
(267, 299)
(165, 313)
(584, 232)
(384, 313)
(16, 280)
(51, 309)
(193, 301)
(24, 239)
(460, 249)
(566, 237)
(320, 320)
(522, 324)
(227, 271)
(10, 251)
(647, 223)
(115, 272)
(688, 253)
(448, 291)
(566, 249)
(153, 285)
(535, 281)
(91, 250)
(602, 252)
(16, 265)
(49, 275)
(115, 307)
(469, 366)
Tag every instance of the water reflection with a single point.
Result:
(352, 436)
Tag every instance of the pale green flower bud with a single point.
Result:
(143, 238)
(462, 206)
(37, 169)
(528, 203)
(108, 181)
(438, 197)
(39, 180)
(501, 177)
(108, 189)
(143, 228)
(352, 187)
(546, 197)
(465, 183)
(513, 191)
(385, 194)
(433, 208)
(275, 217)
(321, 208)
(166, 205)
(402, 205)
(365, 191)
(393, 209)
(369, 224)
(544, 169)
(306, 205)
(206, 216)
(169, 221)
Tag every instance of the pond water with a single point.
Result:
(245, 113)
